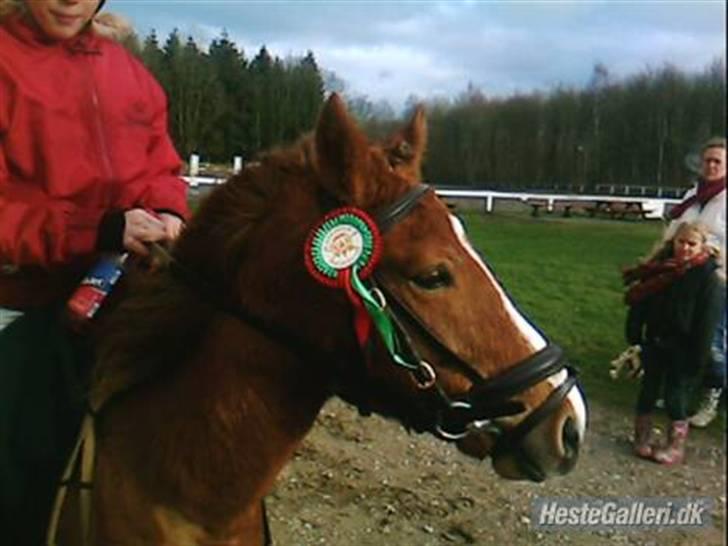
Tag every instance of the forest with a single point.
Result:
(641, 129)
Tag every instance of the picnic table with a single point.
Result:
(615, 210)
(550, 206)
(618, 209)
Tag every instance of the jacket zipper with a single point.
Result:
(101, 139)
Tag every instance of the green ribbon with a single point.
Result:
(381, 320)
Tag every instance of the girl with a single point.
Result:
(86, 166)
(675, 303)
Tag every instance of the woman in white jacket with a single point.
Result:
(705, 203)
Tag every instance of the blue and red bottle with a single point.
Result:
(88, 298)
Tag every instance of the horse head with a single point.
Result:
(475, 370)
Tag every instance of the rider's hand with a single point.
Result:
(142, 227)
(172, 225)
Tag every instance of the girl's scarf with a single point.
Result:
(706, 191)
(653, 277)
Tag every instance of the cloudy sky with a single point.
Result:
(390, 50)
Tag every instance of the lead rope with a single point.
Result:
(85, 448)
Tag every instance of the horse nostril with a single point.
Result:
(570, 440)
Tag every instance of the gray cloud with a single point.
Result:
(393, 49)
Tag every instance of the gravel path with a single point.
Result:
(366, 482)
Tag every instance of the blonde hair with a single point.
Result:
(664, 249)
(108, 25)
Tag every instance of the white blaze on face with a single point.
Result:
(532, 336)
(535, 339)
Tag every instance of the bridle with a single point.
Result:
(488, 398)
(450, 418)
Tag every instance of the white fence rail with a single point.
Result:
(654, 206)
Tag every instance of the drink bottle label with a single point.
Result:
(95, 286)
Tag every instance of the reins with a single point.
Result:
(83, 455)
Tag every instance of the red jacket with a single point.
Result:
(83, 132)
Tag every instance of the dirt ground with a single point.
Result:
(367, 482)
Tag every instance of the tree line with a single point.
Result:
(640, 129)
(222, 104)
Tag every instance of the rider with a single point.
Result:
(86, 167)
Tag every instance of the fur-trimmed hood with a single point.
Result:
(113, 26)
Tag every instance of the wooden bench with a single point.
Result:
(567, 206)
(618, 210)
(632, 210)
(564, 207)
(536, 205)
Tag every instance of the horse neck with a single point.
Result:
(210, 440)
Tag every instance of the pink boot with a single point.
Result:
(642, 436)
(674, 451)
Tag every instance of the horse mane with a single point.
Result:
(161, 320)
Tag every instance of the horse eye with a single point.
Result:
(439, 277)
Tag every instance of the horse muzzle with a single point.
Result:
(536, 444)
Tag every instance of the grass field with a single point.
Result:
(564, 274)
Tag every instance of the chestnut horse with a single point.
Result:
(213, 369)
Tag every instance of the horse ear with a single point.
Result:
(342, 151)
(406, 148)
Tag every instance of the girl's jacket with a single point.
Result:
(681, 318)
(83, 133)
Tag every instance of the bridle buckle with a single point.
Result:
(448, 434)
(425, 375)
